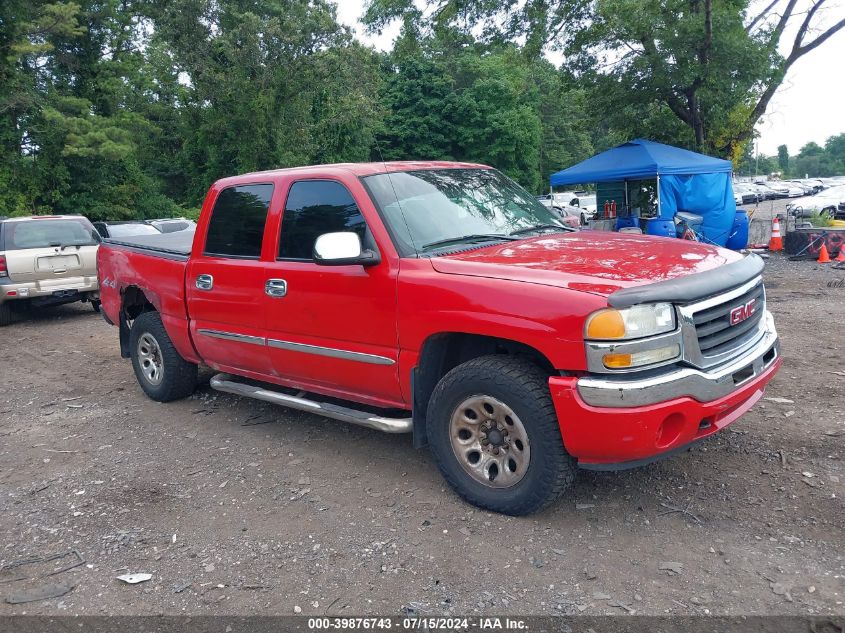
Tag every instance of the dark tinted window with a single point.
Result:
(237, 221)
(315, 207)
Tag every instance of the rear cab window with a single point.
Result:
(236, 226)
(315, 207)
(48, 232)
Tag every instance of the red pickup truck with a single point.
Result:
(443, 300)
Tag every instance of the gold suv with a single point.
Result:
(47, 260)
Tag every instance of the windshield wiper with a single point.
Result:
(472, 237)
(540, 227)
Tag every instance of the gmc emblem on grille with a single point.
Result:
(741, 313)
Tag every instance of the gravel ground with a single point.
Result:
(238, 507)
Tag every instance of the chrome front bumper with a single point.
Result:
(704, 386)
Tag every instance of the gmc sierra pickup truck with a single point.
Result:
(443, 300)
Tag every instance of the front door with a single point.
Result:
(225, 283)
(331, 328)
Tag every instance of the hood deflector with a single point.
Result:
(690, 288)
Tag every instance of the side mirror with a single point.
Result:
(342, 249)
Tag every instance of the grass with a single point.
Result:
(819, 219)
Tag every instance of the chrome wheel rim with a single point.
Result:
(149, 359)
(489, 441)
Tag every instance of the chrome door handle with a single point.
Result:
(276, 288)
(205, 282)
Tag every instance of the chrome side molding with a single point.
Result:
(332, 352)
(231, 336)
(318, 350)
(230, 384)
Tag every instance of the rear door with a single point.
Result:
(52, 252)
(225, 282)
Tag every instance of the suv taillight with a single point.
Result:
(3, 270)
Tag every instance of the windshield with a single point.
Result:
(39, 233)
(129, 229)
(429, 210)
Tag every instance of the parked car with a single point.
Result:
(47, 260)
(171, 225)
(570, 216)
(830, 201)
(585, 202)
(122, 229)
(747, 194)
(441, 299)
(761, 193)
(806, 189)
(768, 192)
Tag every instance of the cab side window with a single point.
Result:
(315, 207)
(236, 227)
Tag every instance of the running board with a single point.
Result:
(227, 383)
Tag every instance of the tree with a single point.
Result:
(783, 159)
(453, 100)
(680, 56)
(815, 160)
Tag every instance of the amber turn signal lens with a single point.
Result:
(607, 324)
(615, 361)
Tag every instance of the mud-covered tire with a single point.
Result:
(5, 314)
(522, 387)
(162, 373)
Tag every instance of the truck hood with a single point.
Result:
(588, 261)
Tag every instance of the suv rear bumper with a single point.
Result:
(617, 423)
(83, 285)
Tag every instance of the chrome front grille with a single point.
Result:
(713, 326)
(709, 337)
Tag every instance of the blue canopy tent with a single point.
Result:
(686, 181)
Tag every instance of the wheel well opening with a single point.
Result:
(133, 303)
(443, 352)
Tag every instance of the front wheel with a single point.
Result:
(494, 433)
(162, 373)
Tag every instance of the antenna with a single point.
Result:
(395, 195)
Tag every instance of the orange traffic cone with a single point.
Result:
(824, 258)
(776, 243)
(841, 256)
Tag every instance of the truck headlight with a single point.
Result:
(639, 359)
(630, 323)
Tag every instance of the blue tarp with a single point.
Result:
(637, 160)
(688, 181)
(709, 195)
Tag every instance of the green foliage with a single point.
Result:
(496, 108)
(819, 219)
(132, 108)
(783, 159)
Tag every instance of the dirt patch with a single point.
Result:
(240, 507)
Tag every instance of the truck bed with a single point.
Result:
(172, 245)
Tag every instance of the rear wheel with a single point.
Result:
(162, 373)
(95, 304)
(5, 314)
(494, 433)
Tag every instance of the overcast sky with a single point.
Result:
(809, 105)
